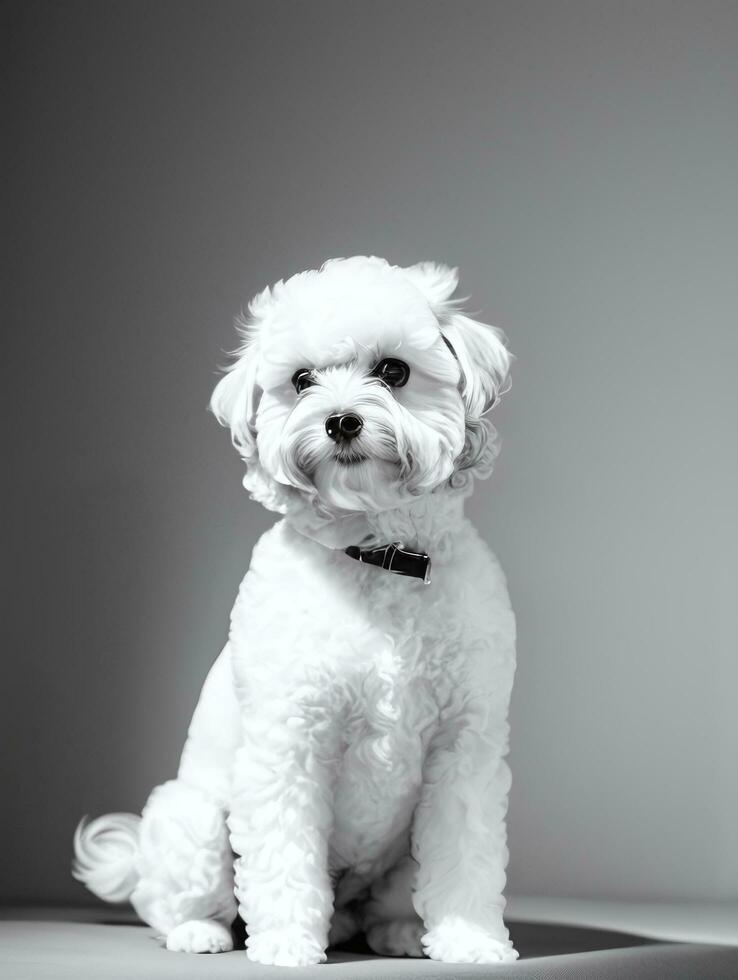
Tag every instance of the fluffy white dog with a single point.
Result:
(349, 742)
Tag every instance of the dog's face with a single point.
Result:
(359, 385)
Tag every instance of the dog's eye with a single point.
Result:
(302, 379)
(392, 371)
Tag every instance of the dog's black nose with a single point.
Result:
(346, 426)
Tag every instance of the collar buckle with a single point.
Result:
(394, 558)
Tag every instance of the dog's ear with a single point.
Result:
(235, 399)
(483, 358)
(435, 281)
(236, 396)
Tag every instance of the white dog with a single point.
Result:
(349, 741)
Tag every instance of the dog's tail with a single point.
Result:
(105, 852)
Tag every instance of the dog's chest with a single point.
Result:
(391, 716)
(375, 655)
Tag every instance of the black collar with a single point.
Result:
(393, 558)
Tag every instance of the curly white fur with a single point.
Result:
(349, 741)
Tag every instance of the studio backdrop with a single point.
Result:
(578, 162)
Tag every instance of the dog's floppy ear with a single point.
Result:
(435, 281)
(236, 396)
(483, 358)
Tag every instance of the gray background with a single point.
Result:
(579, 161)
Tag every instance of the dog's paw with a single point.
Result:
(455, 940)
(344, 925)
(290, 946)
(200, 936)
(399, 938)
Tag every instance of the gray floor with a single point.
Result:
(98, 944)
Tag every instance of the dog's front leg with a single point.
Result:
(281, 819)
(459, 842)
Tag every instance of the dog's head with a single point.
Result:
(360, 385)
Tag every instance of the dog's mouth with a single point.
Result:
(350, 459)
